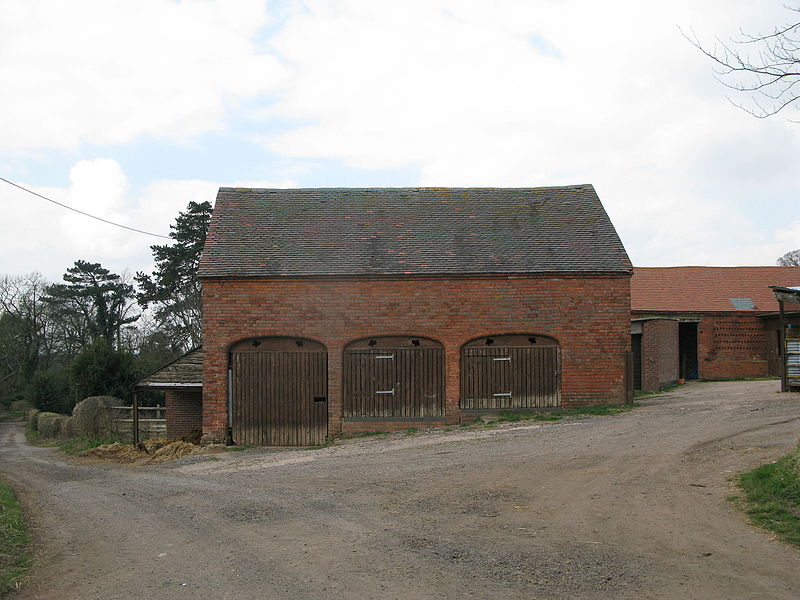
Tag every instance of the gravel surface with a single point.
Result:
(631, 506)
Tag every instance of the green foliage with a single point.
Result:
(97, 300)
(100, 370)
(15, 541)
(772, 496)
(173, 289)
(49, 391)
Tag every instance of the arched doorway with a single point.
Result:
(393, 377)
(511, 371)
(279, 392)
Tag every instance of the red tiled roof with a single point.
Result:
(709, 289)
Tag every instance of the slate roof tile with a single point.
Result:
(390, 231)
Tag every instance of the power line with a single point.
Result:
(85, 214)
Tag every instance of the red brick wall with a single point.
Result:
(588, 315)
(731, 346)
(184, 412)
(659, 353)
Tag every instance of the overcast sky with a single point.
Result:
(130, 109)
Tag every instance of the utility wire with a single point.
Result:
(84, 213)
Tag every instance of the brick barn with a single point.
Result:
(706, 323)
(339, 311)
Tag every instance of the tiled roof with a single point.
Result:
(284, 232)
(184, 371)
(709, 289)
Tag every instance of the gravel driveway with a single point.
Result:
(631, 506)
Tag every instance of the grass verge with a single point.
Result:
(771, 496)
(69, 446)
(667, 388)
(12, 415)
(15, 542)
(516, 416)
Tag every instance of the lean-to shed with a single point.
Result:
(182, 383)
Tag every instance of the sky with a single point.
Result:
(130, 109)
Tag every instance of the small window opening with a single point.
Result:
(489, 341)
(256, 343)
(372, 343)
(532, 340)
(299, 343)
(415, 342)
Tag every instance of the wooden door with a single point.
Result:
(392, 381)
(279, 397)
(509, 377)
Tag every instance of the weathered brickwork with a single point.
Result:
(184, 412)
(659, 353)
(588, 315)
(731, 346)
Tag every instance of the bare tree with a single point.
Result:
(24, 326)
(764, 67)
(790, 259)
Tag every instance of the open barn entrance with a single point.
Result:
(687, 350)
(279, 392)
(511, 371)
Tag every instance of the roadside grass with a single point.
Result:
(771, 496)
(68, 446)
(362, 435)
(529, 415)
(239, 448)
(16, 555)
(12, 415)
(734, 379)
(667, 388)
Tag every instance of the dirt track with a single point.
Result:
(632, 506)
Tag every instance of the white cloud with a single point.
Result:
(508, 93)
(107, 72)
(619, 99)
(39, 236)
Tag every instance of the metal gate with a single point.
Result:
(279, 392)
(498, 375)
(384, 379)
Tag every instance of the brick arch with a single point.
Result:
(394, 341)
(512, 339)
(277, 343)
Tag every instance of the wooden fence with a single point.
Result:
(152, 421)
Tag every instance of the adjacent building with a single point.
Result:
(707, 323)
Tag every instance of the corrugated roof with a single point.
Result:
(709, 289)
(284, 232)
(184, 371)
